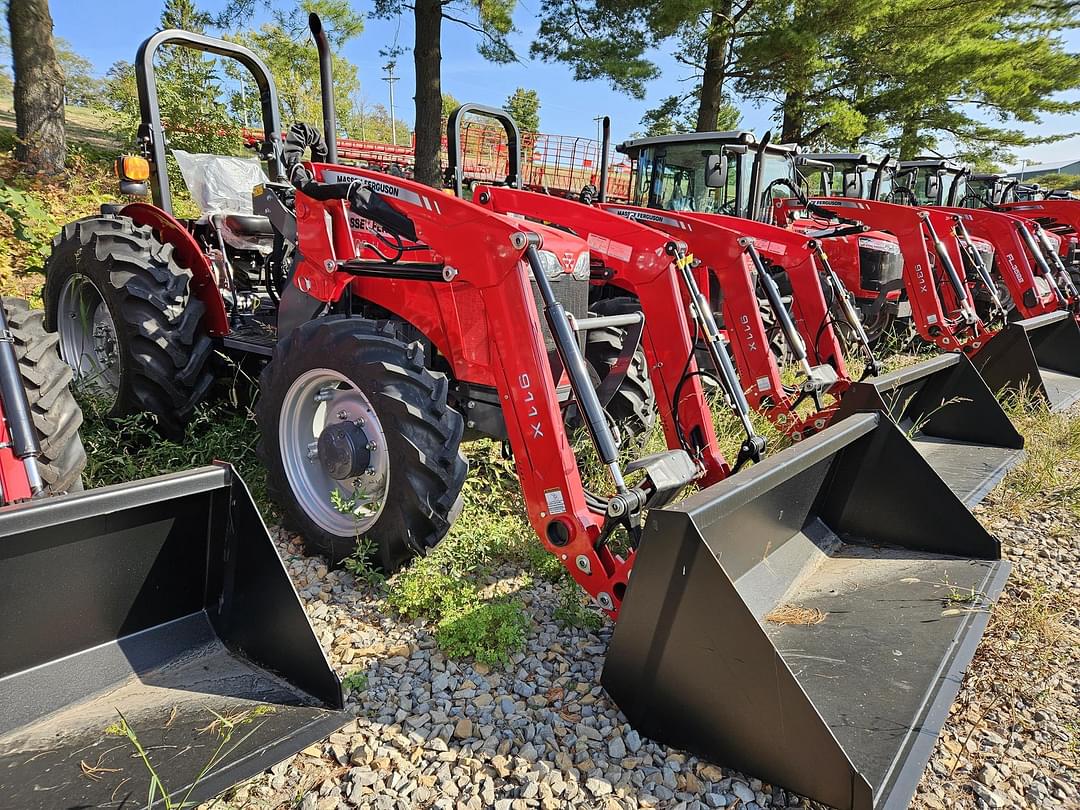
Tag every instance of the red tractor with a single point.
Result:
(392, 318)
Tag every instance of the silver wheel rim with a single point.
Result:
(316, 399)
(88, 341)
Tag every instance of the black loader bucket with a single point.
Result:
(809, 619)
(1041, 354)
(165, 600)
(952, 418)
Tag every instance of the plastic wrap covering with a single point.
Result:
(219, 183)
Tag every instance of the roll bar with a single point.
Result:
(453, 143)
(151, 134)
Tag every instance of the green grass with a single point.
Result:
(130, 448)
(1046, 479)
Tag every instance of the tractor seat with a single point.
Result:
(249, 225)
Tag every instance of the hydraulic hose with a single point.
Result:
(362, 201)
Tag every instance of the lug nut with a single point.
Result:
(313, 451)
(343, 414)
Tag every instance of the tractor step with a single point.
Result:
(809, 620)
(253, 337)
(164, 599)
(951, 417)
(1040, 355)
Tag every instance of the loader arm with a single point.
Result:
(464, 284)
(1020, 260)
(715, 241)
(642, 264)
(941, 303)
(1061, 217)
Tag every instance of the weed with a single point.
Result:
(361, 562)
(224, 727)
(129, 448)
(573, 609)
(925, 418)
(355, 682)
(490, 632)
(959, 596)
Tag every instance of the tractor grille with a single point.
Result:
(574, 296)
(878, 267)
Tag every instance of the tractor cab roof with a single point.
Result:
(941, 165)
(633, 148)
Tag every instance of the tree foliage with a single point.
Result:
(286, 46)
(190, 90)
(81, 87)
(967, 76)
(524, 106)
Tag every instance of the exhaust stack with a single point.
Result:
(605, 148)
(326, 86)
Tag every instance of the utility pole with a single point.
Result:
(390, 79)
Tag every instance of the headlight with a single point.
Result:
(880, 245)
(582, 270)
(552, 268)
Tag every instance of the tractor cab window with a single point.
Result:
(816, 180)
(678, 179)
(956, 189)
(886, 184)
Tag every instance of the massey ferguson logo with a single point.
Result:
(529, 398)
(382, 188)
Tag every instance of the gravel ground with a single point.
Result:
(432, 732)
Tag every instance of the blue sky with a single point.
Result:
(567, 107)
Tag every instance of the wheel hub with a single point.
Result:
(344, 450)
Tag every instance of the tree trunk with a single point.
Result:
(909, 140)
(792, 123)
(712, 79)
(39, 86)
(427, 58)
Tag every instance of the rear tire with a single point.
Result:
(415, 472)
(128, 321)
(55, 412)
(633, 405)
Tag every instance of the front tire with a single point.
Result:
(349, 407)
(46, 379)
(128, 322)
(633, 405)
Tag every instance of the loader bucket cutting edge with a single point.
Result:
(952, 418)
(164, 599)
(846, 705)
(1041, 354)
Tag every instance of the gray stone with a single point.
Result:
(742, 791)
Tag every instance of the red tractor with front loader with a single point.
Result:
(391, 318)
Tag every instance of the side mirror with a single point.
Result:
(715, 170)
(853, 184)
(933, 187)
